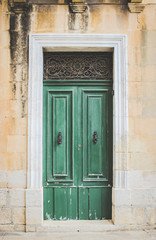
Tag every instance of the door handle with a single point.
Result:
(59, 138)
(95, 137)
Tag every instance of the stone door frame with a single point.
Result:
(38, 43)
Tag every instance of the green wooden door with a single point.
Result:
(77, 152)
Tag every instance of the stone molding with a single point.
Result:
(19, 6)
(136, 1)
(136, 7)
(75, 42)
(78, 7)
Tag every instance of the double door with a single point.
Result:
(77, 152)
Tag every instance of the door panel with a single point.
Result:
(77, 152)
(65, 200)
(94, 119)
(60, 121)
(94, 203)
(95, 122)
(60, 203)
(83, 204)
(59, 125)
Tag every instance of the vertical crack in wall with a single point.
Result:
(19, 29)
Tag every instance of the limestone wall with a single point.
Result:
(135, 205)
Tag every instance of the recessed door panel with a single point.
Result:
(95, 134)
(59, 135)
(94, 117)
(60, 120)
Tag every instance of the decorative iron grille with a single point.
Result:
(78, 65)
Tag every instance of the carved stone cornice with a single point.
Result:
(78, 6)
(136, 7)
(18, 6)
(136, 1)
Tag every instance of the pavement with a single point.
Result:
(108, 235)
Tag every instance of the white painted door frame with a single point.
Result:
(38, 43)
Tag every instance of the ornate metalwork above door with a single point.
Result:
(78, 65)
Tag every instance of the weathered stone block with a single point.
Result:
(143, 197)
(142, 161)
(141, 179)
(147, 108)
(5, 74)
(134, 72)
(132, 25)
(3, 161)
(121, 197)
(134, 37)
(148, 38)
(127, 215)
(134, 56)
(16, 179)
(16, 143)
(20, 228)
(3, 179)
(16, 161)
(18, 215)
(17, 197)
(148, 90)
(134, 90)
(5, 55)
(150, 215)
(137, 144)
(135, 108)
(141, 128)
(148, 73)
(150, 18)
(3, 197)
(33, 215)
(30, 228)
(5, 216)
(19, 126)
(7, 227)
(4, 39)
(58, 16)
(148, 55)
(134, 179)
(149, 179)
(34, 197)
